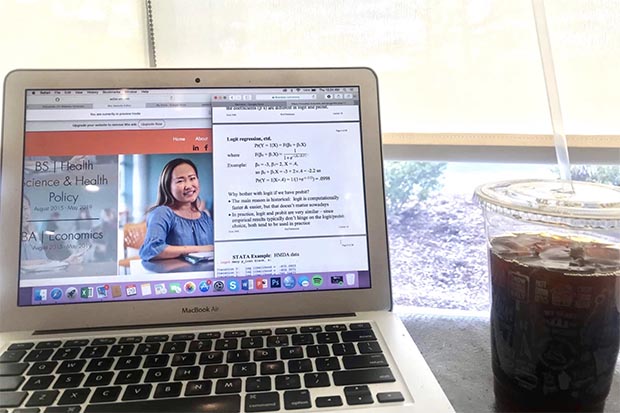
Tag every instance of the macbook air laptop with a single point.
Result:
(199, 240)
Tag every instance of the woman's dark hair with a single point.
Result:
(164, 195)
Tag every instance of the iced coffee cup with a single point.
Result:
(554, 268)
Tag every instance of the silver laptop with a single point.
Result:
(199, 240)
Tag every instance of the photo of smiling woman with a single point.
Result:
(177, 225)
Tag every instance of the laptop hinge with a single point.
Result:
(201, 323)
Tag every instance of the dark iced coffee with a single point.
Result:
(555, 326)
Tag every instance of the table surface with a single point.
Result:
(458, 351)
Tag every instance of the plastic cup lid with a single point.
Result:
(553, 202)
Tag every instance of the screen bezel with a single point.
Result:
(231, 307)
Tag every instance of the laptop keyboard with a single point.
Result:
(255, 370)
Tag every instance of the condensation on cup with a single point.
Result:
(554, 268)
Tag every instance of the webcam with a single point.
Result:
(197, 80)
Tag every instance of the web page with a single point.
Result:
(274, 194)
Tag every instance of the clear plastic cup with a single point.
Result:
(554, 266)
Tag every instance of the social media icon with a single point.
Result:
(145, 289)
(131, 290)
(56, 294)
(117, 291)
(71, 292)
(87, 292)
(337, 279)
(102, 291)
(350, 278)
(304, 281)
(40, 294)
(160, 289)
(218, 285)
(189, 287)
(203, 286)
(275, 282)
(289, 282)
(175, 288)
(233, 285)
(317, 280)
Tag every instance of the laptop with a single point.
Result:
(199, 240)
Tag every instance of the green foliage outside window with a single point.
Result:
(609, 174)
(407, 183)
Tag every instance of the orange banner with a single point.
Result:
(116, 142)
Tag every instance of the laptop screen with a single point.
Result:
(146, 194)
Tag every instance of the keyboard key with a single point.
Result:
(130, 340)
(356, 395)
(129, 377)
(10, 383)
(363, 376)
(236, 333)
(12, 398)
(200, 345)
(364, 361)
(286, 330)
(94, 352)
(316, 380)
(38, 355)
(222, 403)
(198, 388)
(302, 339)
(244, 370)
(12, 356)
(311, 329)
(38, 383)
(320, 350)
(360, 326)
(297, 399)
(184, 359)
(299, 366)
(66, 353)
(215, 371)
(26, 410)
(42, 398)
(76, 343)
(187, 373)
(74, 396)
(291, 353)
(228, 386)
(327, 363)
(277, 341)
(106, 395)
(120, 350)
(62, 409)
(71, 366)
(157, 338)
(167, 390)
(368, 347)
(261, 332)
(252, 342)
(44, 368)
(262, 383)
(209, 335)
(358, 335)
(48, 344)
(265, 354)
(328, 401)
(158, 375)
(275, 367)
(343, 349)
(12, 369)
(128, 363)
(183, 337)
(21, 346)
(288, 382)
(327, 338)
(390, 397)
(69, 381)
(262, 402)
(99, 379)
(335, 327)
(175, 347)
(103, 364)
(148, 348)
(160, 360)
(104, 341)
(137, 392)
(226, 344)
(212, 357)
(238, 356)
